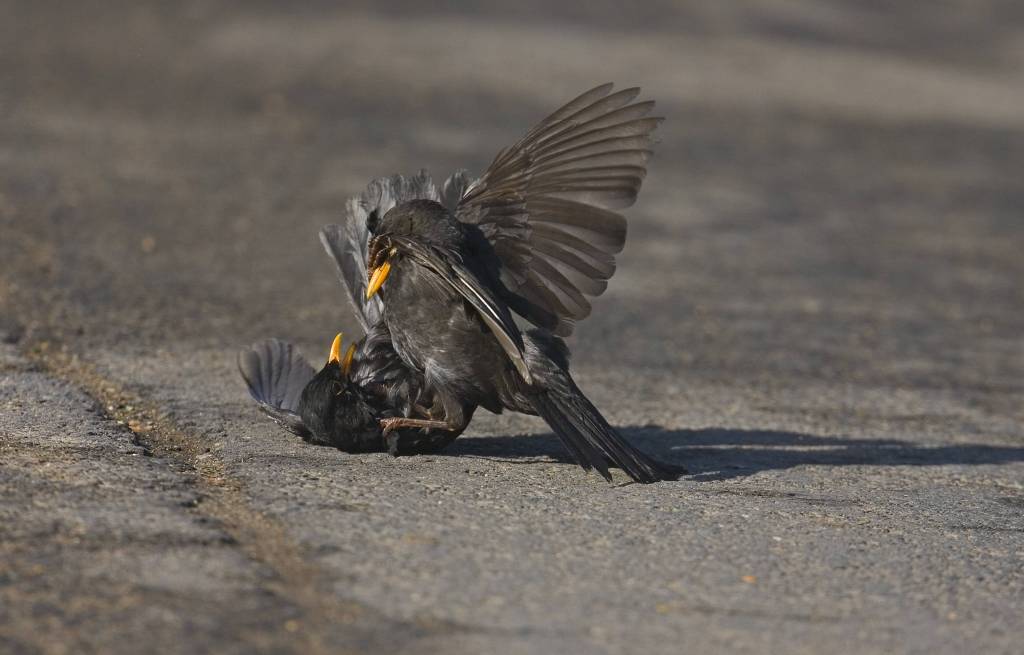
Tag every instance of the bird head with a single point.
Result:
(330, 396)
(415, 223)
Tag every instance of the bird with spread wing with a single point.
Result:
(535, 235)
(342, 404)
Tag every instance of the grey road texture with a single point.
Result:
(819, 311)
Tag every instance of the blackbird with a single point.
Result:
(343, 403)
(534, 235)
(375, 383)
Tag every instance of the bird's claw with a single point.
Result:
(388, 425)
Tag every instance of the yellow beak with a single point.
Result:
(335, 350)
(377, 278)
(346, 363)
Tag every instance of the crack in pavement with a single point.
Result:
(223, 500)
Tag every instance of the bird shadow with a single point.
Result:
(721, 453)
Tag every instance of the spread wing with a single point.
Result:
(346, 242)
(276, 373)
(547, 204)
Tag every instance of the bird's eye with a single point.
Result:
(337, 388)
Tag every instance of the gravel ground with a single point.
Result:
(819, 311)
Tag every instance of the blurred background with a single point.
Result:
(164, 167)
(819, 310)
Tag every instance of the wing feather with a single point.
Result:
(276, 373)
(547, 204)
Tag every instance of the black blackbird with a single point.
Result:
(534, 234)
(343, 403)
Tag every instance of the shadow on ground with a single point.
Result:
(721, 454)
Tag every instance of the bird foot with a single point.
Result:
(389, 425)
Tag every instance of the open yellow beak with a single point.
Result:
(335, 350)
(377, 278)
(346, 363)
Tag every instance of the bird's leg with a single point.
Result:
(454, 418)
(388, 425)
(445, 405)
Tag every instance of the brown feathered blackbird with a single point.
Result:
(535, 234)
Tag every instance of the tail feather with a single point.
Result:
(590, 438)
(582, 449)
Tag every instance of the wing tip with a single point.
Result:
(243, 362)
(329, 234)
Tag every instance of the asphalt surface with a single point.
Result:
(819, 311)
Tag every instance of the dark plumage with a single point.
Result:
(534, 235)
(447, 322)
(338, 407)
(339, 413)
(333, 407)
